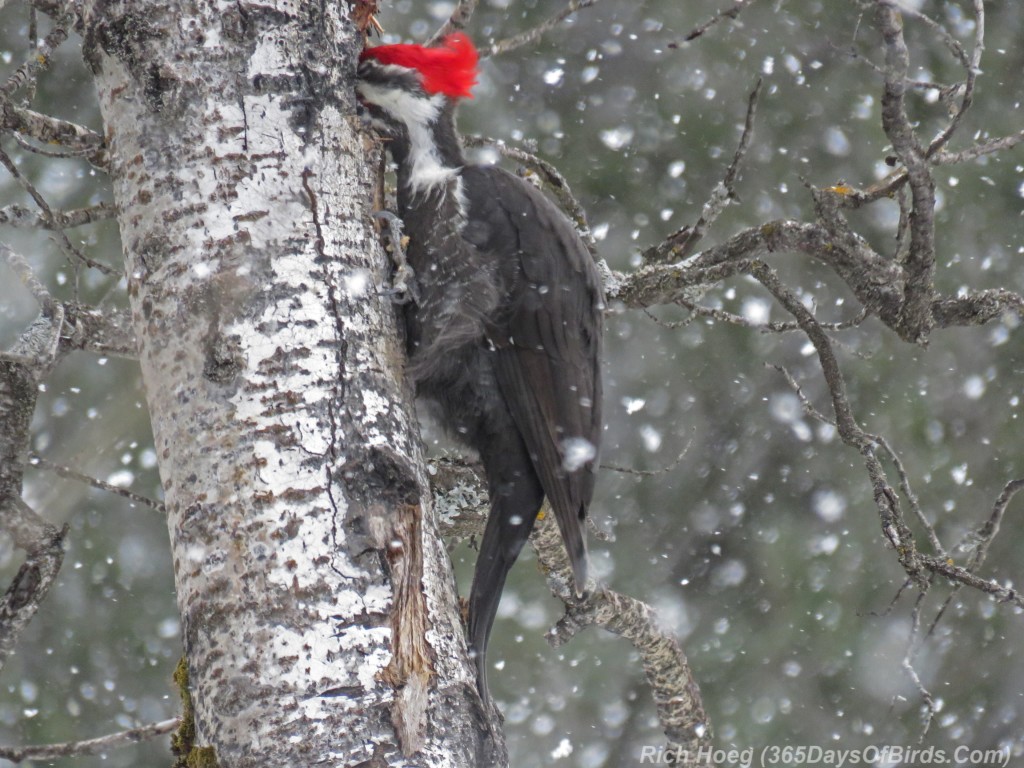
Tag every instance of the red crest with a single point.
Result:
(450, 69)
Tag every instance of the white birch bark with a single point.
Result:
(318, 606)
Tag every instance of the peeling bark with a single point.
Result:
(318, 604)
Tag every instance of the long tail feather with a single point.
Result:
(514, 508)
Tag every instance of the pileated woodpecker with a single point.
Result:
(505, 333)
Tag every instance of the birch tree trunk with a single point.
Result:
(318, 605)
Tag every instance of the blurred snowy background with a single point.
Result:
(761, 548)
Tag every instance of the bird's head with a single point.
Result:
(404, 86)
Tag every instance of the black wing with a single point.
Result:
(548, 340)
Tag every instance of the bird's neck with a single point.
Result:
(429, 155)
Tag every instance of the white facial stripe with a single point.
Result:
(418, 112)
(409, 108)
(427, 169)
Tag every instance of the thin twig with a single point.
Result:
(805, 401)
(681, 243)
(19, 216)
(457, 21)
(73, 139)
(651, 472)
(915, 563)
(887, 187)
(40, 57)
(772, 326)
(534, 34)
(987, 147)
(909, 495)
(947, 38)
(1000, 592)
(62, 238)
(907, 583)
(979, 541)
(728, 13)
(886, 500)
(913, 647)
(20, 266)
(90, 746)
(38, 461)
(973, 67)
(986, 534)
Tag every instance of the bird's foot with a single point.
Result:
(404, 287)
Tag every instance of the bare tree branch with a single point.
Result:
(20, 266)
(40, 57)
(456, 22)
(980, 541)
(920, 261)
(38, 461)
(886, 500)
(673, 684)
(20, 217)
(32, 582)
(461, 501)
(973, 68)
(681, 243)
(90, 746)
(955, 47)
(651, 472)
(732, 12)
(987, 147)
(909, 495)
(63, 240)
(534, 34)
(891, 184)
(73, 140)
(894, 526)
(771, 326)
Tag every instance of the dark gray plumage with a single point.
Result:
(506, 335)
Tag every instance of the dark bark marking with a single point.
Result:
(412, 667)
